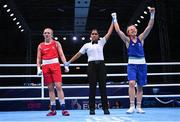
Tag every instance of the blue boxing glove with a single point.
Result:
(39, 71)
(67, 63)
(66, 66)
(114, 17)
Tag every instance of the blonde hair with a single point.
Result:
(127, 31)
(52, 32)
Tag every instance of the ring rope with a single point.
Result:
(97, 97)
(86, 86)
(85, 64)
(85, 75)
(164, 102)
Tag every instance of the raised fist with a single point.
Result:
(114, 15)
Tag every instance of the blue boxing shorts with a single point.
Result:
(137, 72)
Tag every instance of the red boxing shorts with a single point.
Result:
(51, 73)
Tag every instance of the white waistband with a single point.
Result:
(134, 60)
(50, 61)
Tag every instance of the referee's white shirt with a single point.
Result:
(94, 51)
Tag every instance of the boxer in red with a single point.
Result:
(48, 54)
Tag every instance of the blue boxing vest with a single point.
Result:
(135, 49)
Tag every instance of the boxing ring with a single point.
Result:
(160, 101)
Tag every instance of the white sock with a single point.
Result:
(53, 102)
(61, 101)
(131, 103)
(138, 104)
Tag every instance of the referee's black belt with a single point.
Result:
(96, 62)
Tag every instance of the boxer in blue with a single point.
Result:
(137, 68)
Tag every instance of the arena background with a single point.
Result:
(21, 26)
(71, 18)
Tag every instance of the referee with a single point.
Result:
(96, 67)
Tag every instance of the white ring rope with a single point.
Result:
(86, 86)
(85, 64)
(163, 102)
(97, 97)
(41, 86)
(177, 101)
(85, 75)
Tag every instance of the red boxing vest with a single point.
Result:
(49, 51)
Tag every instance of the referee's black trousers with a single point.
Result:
(97, 73)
